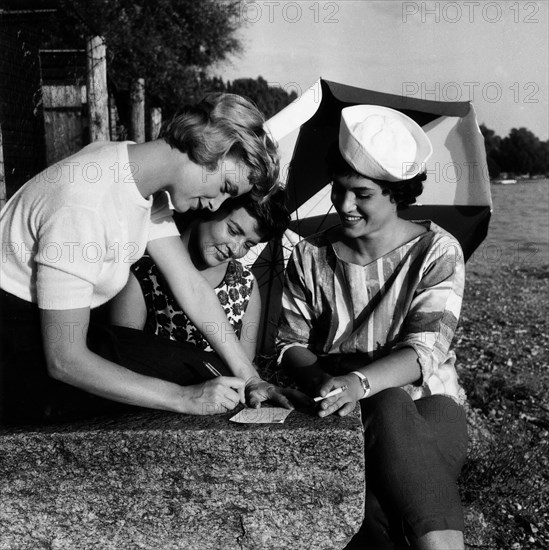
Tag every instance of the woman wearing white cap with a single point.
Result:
(371, 306)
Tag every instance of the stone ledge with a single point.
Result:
(162, 481)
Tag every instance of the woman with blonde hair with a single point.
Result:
(70, 235)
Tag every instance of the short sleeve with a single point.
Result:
(162, 222)
(432, 318)
(71, 251)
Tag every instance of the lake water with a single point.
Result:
(519, 228)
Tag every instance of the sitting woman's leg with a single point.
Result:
(151, 355)
(414, 452)
(447, 420)
(28, 395)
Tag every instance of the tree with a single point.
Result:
(170, 43)
(541, 163)
(270, 100)
(492, 143)
(519, 151)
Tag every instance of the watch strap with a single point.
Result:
(364, 382)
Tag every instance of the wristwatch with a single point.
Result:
(365, 384)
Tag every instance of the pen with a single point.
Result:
(331, 394)
(212, 369)
(215, 372)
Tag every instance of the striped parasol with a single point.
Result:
(456, 193)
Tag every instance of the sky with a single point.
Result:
(494, 53)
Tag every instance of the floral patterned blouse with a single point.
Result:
(165, 317)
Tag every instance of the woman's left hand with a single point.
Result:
(344, 402)
(258, 391)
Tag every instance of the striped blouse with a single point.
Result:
(410, 297)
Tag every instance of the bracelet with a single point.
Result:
(364, 383)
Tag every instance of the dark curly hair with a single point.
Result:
(403, 192)
(272, 215)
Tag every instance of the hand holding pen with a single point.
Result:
(257, 391)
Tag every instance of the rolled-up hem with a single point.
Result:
(285, 348)
(421, 527)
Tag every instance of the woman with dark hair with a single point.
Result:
(370, 307)
(70, 235)
(216, 241)
(403, 193)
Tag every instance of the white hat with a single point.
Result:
(382, 143)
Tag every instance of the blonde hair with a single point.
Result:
(226, 125)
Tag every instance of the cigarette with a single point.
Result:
(330, 394)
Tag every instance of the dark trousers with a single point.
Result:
(29, 395)
(414, 453)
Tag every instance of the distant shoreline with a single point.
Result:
(511, 180)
